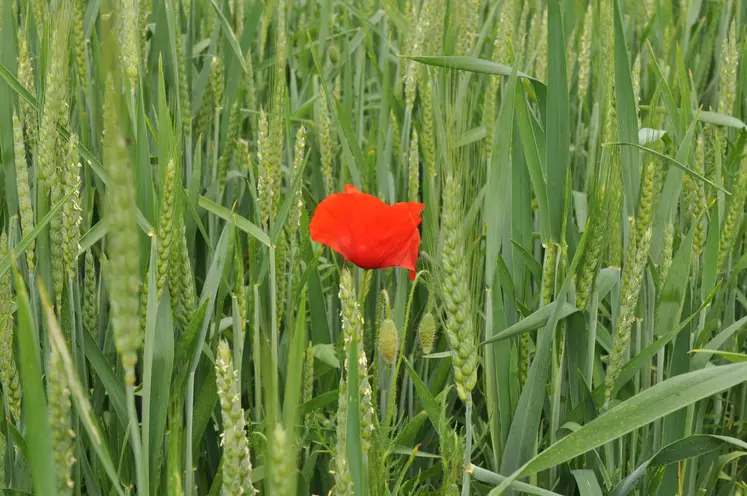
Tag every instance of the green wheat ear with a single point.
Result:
(24, 191)
(469, 18)
(165, 229)
(728, 74)
(185, 104)
(264, 182)
(343, 482)
(326, 145)
(294, 217)
(584, 56)
(733, 217)
(80, 43)
(130, 41)
(415, 43)
(396, 137)
(352, 328)
(414, 168)
(454, 291)
(182, 280)
(71, 211)
(8, 370)
(58, 409)
(90, 296)
(250, 91)
(29, 115)
(539, 27)
(696, 200)
(54, 109)
(230, 142)
(123, 277)
(237, 465)
(308, 381)
(281, 470)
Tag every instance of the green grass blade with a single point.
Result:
(114, 387)
(38, 432)
(689, 447)
(722, 120)
(158, 358)
(627, 118)
(492, 478)
(558, 123)
(534, 321)
(242, 223)
(587, 482)
(645, 407)
(701, 359)
(467, 63)
(674, 162)
(230, 36)
(534, 165)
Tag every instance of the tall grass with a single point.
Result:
(576, 326)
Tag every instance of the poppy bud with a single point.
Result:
(427, 332)
(334, 54)
(388, 341)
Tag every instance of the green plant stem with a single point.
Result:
(137, 448)
(257, 359)
(273, 327)
(468, 445)
(188, 477)
(393, 382)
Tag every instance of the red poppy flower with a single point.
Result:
(367, 231)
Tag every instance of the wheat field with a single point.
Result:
(380, 247)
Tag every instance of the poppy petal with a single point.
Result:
(397, 236)
(331, 226)
(368, 232)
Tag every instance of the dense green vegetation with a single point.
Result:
(576, 326)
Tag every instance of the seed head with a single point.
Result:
(427, 333)
(8, 369)
(123, 277)
(388, 341)
(24, 192)
(237, 465)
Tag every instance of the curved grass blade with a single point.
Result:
(467, 63)
(649, 405)
(492, 478)
(241, 222)
(230, 36)
(728, 355)
(682, 449)
(676, 163)
(701, 359)
(722, 120)
(534, 321)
